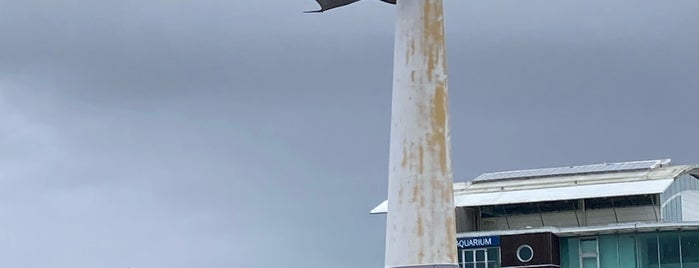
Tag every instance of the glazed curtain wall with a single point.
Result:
(642, 250)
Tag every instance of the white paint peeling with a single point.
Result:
(421, 226)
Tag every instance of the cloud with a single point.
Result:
(225, 133)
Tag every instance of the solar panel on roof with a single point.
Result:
(573, 170)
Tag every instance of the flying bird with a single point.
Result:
(326, 5)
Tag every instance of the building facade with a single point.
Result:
(631, 214)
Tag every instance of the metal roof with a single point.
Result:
(573, 170)
(464, 199)
(563, 187)
(590, 230)
(572, 192)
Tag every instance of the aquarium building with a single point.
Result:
(631, 214)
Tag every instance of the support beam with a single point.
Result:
(421, 227)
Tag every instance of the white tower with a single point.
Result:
(421, 228)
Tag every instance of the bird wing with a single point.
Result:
(326, 5)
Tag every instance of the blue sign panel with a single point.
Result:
(478, 242)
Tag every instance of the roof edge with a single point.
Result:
(591, 230)
(381, 208)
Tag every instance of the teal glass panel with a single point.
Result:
(588, 245)
(565, 254)
(608, 256)
(493, 254)
(669, 249)
(648, 250)
(627, 251)
(589, 263)
(690, 249)
(573, 245)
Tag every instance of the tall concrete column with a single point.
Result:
(421, 227)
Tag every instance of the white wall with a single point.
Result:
(690, 205)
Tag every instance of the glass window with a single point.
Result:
(564, 252)
(466, 259)
(570, 252)
(627, 251)
(525, 253)
(621, 201)
(528, 208)
(480, 255)
(493, 254)
(588, 245)
(648, 250)
(669, 249)
(608, 254)
(645, 250)
(469, 255)
(480, 258)
(589, 253)
(589, 263)
(690, 249)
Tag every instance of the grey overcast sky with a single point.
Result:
(246, 134)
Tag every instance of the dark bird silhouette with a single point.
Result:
(326, 5)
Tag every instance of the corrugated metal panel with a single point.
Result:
(673, 200)
(563, 193)
(690, 206)
(573, 170)
(682, 183)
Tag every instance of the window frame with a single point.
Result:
(588, 255)
(475, 262)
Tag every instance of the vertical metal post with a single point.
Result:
(421, 226)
